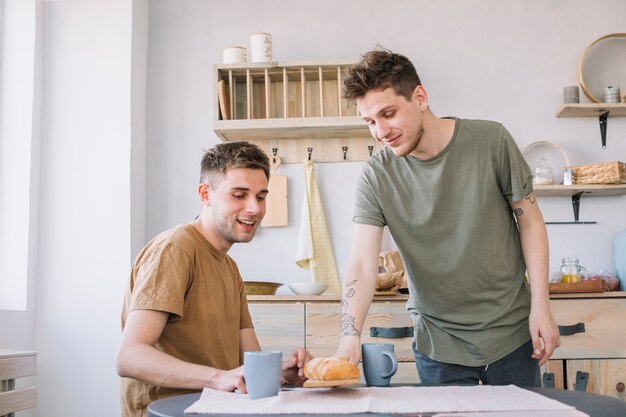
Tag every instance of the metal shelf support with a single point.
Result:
(603, 122)
(576, 208)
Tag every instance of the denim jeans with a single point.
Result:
(517, 368)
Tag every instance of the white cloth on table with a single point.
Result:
(486, 400)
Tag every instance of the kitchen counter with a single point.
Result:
(403, 297)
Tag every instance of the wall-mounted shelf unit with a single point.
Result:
(571, 190)
(600, 110)
(577, 191)
(293, 108)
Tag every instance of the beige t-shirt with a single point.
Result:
(181, 273)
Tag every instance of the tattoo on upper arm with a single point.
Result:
(351, 283)
(518, 212)
(531, 197)
(347, 325)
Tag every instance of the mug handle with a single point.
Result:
(394, 365)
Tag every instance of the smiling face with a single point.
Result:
(234, 208)
(394, 120)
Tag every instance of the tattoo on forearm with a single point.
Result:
(347, 326)
(350, 293)
(351, 283)
(531, 198)
(518, 212)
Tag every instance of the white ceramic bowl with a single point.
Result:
(308, 288)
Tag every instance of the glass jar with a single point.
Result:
(570, 269)
(543, 173)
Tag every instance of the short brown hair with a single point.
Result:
(225, 155)
(380, 69)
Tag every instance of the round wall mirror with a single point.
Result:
(603, 64)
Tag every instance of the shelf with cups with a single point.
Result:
(600, 110)
(294, 110)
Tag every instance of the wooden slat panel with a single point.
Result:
(13, 401)
(279, 326)
(604, 375)
(604, 335)
(17, 367)
(323, 327)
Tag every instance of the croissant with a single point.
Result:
(330, 369)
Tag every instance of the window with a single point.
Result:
(17, 65)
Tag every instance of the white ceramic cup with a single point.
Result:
(261, 47)
(234, 55)
(262, 371)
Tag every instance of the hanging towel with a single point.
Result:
(315, 251)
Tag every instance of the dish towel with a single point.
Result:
(315, 251)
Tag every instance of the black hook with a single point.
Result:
(370, 148)
(274, 152)
(310, 151)
(345, 151)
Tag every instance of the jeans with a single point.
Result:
(517, 368)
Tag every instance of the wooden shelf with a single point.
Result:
(303, 128)
(293, 108)
(592, 110)
(587, 190)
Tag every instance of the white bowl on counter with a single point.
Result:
(308, 288)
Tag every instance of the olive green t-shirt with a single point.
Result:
(451, 220)
(181, 273)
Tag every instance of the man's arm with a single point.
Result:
(358, 288)
(534, 240)
(138, 358)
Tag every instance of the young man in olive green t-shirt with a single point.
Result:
(457, 198)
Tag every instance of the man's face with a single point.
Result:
(237, 205)
(392, 119)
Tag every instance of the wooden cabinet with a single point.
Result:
(318, 318)
(288, 322)
(295, 108)
(599, 350)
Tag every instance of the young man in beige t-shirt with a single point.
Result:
(185, 317)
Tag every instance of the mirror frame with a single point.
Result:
(581, 81)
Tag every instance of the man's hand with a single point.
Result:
(229, 380)
(293, 368)
(542, 326)
(349, 349)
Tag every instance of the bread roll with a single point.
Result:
(330, 369)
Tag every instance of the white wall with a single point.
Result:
(85, 234)
(504, 61)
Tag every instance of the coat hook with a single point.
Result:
(274, 152)
(370, 148)
(310, 151)
(345, 151)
